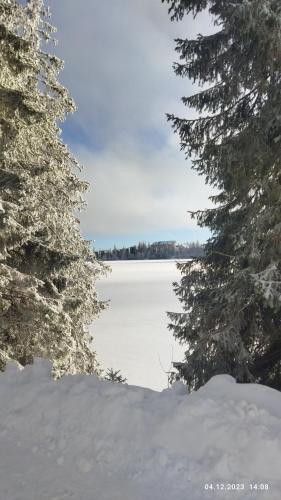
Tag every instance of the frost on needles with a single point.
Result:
(47, 270)
(232, 296)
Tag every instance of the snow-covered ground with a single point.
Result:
(83, 439)
(132, 335)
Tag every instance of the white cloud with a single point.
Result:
(119, 56)
(127, 196)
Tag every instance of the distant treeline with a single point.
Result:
(157, 250)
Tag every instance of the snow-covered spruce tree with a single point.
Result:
(232, 297)
(47, 270)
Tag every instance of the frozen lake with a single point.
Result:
(132, 335)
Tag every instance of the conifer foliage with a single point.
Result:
(232, 296)
(47, 270)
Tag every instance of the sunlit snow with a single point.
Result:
(132, 336)
(84, 439)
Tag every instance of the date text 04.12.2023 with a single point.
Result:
(236, 486)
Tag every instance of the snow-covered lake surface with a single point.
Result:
(132, 335)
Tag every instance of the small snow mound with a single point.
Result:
(220, 381)
(11, 368)
(178, 388)
(41, 367)
(82, 438)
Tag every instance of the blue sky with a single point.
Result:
(118, 67)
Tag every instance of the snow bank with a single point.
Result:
(83, 439)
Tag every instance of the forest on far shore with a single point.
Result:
(156, 250)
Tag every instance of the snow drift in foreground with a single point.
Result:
(83, 439)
